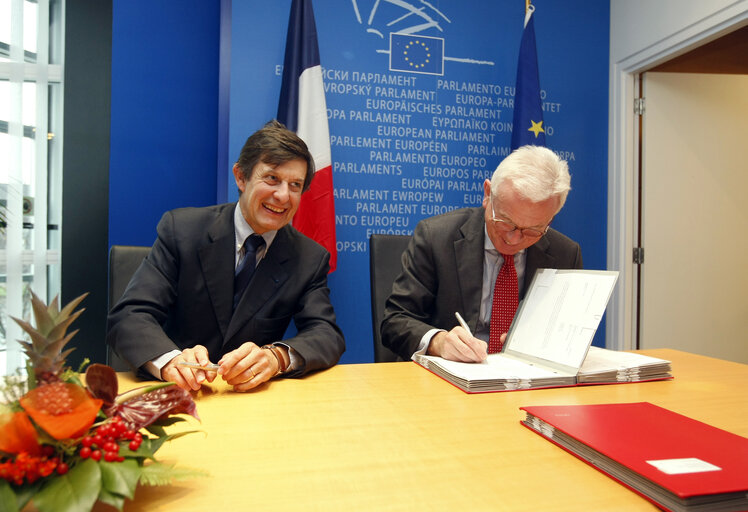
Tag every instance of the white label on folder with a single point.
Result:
(683, 466)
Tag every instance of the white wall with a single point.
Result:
(644, 33)
(663, 28)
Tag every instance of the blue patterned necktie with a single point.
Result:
(246, 267)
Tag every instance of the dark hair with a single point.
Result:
(274, 144)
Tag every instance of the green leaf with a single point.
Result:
(162, 474)
(61, 328)
(38, 339)
(44, 321)
(113, 500)
(30, 375)
(25, 493)
(149, 446)
(75, 491)
(143, 452)
(156, 443)
(7, 497)
(156, 474)
(168, 421)
(120, 477)
(156, 430)
(70, 306)
(180, 473)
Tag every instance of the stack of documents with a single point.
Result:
(676, 462)
(603, 366)
(497, 373)
(549, 338)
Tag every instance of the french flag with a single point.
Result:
(302, 109)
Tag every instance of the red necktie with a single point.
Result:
(505, 299)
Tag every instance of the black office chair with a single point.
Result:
(385, 265)
(124, 260)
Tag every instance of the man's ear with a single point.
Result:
(486, 192)
(239, 177)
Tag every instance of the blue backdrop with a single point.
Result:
(414, 143)
(405, 145)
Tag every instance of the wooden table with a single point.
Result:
(392, 436)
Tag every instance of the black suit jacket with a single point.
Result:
(443, 273)
(182, 294)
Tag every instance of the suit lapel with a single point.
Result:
(217, 265)
(269, 276)
(469, 261)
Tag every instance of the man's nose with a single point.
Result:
(282, 191)
(514, 237)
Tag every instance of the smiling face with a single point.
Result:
(510, 206)
(271, 195)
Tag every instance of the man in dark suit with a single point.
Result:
(454, 261)
(202, 295)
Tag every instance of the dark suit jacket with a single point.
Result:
(443, 273)
(181, 296)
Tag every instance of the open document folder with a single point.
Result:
(550, 338)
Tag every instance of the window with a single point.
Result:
(31, 71)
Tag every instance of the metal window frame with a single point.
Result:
(40, 264)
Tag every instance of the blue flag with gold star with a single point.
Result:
(527, 126)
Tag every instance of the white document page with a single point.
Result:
(560, 314)
(496, 366)
(600, 360)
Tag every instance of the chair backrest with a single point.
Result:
(124, 260)
(385, 252)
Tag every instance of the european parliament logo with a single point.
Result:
(417, 54)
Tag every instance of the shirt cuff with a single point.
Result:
(296, 362)
(424, 344)
(154, 366)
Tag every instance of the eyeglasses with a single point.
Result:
(507, 226)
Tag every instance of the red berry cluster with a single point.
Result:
(32, 467)
(104, 441)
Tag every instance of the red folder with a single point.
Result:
(674, 461)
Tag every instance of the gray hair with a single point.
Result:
(536, 173)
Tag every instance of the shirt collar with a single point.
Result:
(242, 230)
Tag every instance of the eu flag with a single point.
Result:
(417, 54)
(527, 125)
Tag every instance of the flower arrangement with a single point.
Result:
(64, 446)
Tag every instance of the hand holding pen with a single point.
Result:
(458, 344)
(190, 369)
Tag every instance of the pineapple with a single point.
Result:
(45, 351)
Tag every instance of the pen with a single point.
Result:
(463, 323)
(210, 367)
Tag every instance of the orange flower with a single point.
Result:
(17, 434)
(63, 410)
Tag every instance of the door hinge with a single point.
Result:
(638, 255)
(638, 106)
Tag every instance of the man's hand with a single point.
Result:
(185, 377)
(458, 345)
(248, 366)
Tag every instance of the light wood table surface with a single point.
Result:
(393, 436)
